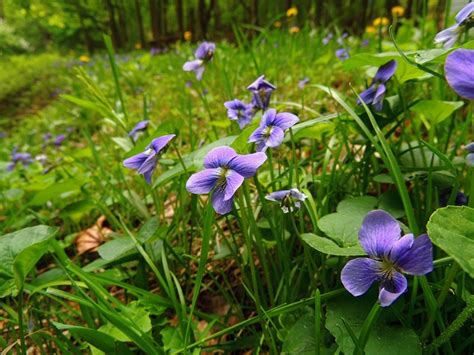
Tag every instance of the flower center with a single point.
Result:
(267, 131)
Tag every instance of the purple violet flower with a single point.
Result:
(271, 131)
(459, 72)
(59, 140)
(239, 111)
(145, 163)
(24, 158)
(203, 54)
(288, 199)
(460, 200)
(342, 54)
(302, 83)
(341, 39)
(470, 155)
(375, 93)
(224, 172)
(262, 91)
(328, 38)
(464, 21)
(139, 128)
(47, 136)
(389, 257)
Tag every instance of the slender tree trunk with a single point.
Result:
(84, 30)
(179, 16)
(113, 24)
(155, 21)
(254, 12)
(141, 30)
(320, 15)
(409, 8)
(202, 18)
(122, 23)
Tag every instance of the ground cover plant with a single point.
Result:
(298, 189)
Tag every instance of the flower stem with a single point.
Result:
(367, 326)
(20, 321)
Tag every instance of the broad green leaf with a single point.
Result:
(391, 202)
(137, 314)
(452, 229)
(98, 339)
(55, 191)
(124, 143)
(384, 339)
(436, 111)
(301, 337)
(327, 246)
(19, 252)
(241, 142)
(343, 226)
(172, 339)
(118, 247)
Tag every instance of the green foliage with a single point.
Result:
(452, 230)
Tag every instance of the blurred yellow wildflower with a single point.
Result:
(398, 11)
(277, 24)
(294, 29)
(138, 46)
(188, 35)
(370, 29)
(84, 58)
(381, 21)
(292, 11)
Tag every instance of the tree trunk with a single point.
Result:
(202, 18)
(84, 30)
(155, 22)
(113, 24)
(179, 16)
(141, 30)
(122, 23)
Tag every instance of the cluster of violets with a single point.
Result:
(389, 255)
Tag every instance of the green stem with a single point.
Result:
(368, 324)
(20, 321)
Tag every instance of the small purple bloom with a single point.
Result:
(271, 131)
(24, 158)
(389, 257)
(365, 43)
(464, 21)
(302, 83)
(59, 140)
(328, 38)
(145, 163)
(224, 172)
(342, 54)
(459, 72)
(203, 54)
(288, 199)
(154, 51)
(47, 136)
(375, 94)
(460, 200)
(262, 91)
(3, 135)
(188, 84)
(139, 127)
(341, 39)
(239, 111)
(470, 155)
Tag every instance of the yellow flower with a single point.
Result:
(138, 46)
(188, 35)
(381, 21)
(398, 11)
(292, 11)
(277, 24)
(84, 58)
(370, 29)
(294, 29)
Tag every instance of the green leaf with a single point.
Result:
(384, 339)
(172, 339)
(98, 339)
(436, 111)
(327, 246)
(124, 143)
(137, 314)
(452, 229)
(301, 338)
(343, 226)
(19, 252)
(55, 191)
(118, 247)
